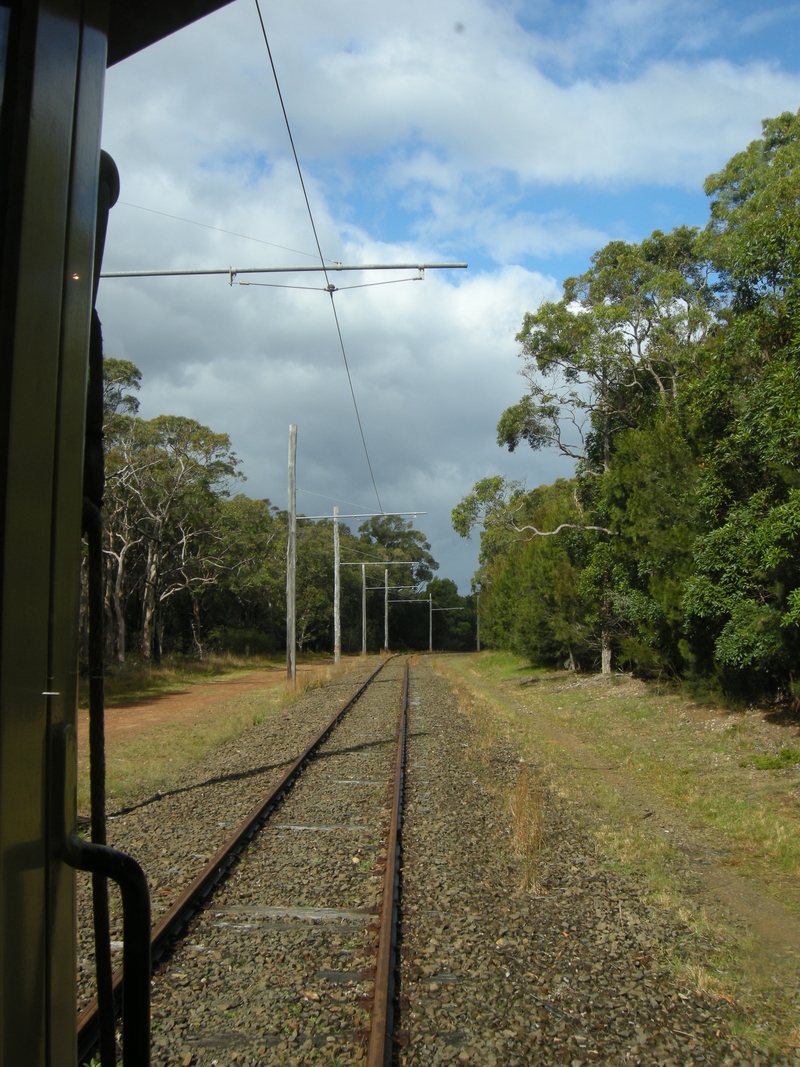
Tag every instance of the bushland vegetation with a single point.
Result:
(195, 567)
(668, 376)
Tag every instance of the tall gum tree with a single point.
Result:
(121, 380)
(188, 468)
(604, 360)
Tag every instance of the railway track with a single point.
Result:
(289, 959)
(369, 820)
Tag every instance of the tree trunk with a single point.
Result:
(605, 650)
(196, 632)
(108, 609)
(149, 601)
(571, 660)
(119, 613)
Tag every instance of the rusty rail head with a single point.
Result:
(381, 1021)
(183, 908)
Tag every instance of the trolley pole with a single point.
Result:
(337, 591)
(478, 619)
(430, 622)
(291, 559)
(363, 609)
(386, 610)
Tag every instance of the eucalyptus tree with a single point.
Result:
(246, 607)
(165, 479)
(610, 358)
(122, 533)
(743, 601)
(186, 468)
(396, 539)
(614, 348)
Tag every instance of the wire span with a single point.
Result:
(285, 285)
(367, 285)
(329, 288)
(219, 229)
(335, 499)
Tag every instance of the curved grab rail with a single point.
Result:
(129, 876)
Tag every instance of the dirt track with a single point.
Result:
(177, 707)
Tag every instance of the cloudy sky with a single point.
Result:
(517, 136)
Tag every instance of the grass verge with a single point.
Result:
(671, 790)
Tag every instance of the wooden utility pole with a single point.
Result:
(337, 591)
(291, 560)
(386, 610)
(363, 609)
(430, 623)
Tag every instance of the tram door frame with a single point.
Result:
(53, 57)
(49, 154)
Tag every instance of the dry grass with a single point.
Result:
(525, 803)
(527, 818)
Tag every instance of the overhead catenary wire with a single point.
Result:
(319, 247)
(219, 229)
(289, 132)
(355, 404)
(334, 499)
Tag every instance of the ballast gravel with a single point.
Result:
(275, 970)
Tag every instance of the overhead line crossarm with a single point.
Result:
(368, 515)
(233, 271)
(383, 563)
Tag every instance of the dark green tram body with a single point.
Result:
(55, 54)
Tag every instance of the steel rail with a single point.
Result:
(183, 908)
(379, 1049)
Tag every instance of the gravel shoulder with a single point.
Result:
(573, 969)
(667, 792)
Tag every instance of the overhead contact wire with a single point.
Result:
(319, 247)
(291, 138)
(355, 405)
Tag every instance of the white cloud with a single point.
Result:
(377, 75)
